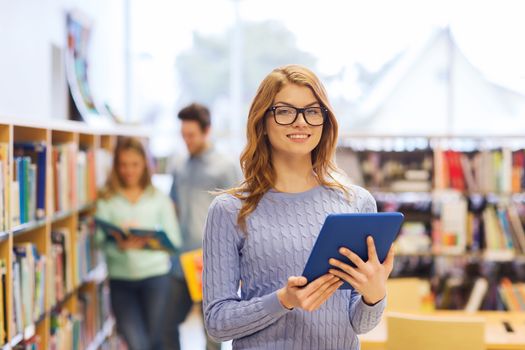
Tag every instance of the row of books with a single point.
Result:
(29, 274)
(512, 295)
(487, 171)
(77, 330)
(28, 189)
(388, 171)
(88, 254)
(88, 257)
(61, 274)
(91, 167)
(65, 331)
(474, 224)
(94, 309)
(473, 284)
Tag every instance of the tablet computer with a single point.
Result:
(350, 231)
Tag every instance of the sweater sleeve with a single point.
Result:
(363, 317)
(103, 212)
(226, 315)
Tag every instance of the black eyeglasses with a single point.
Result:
(286, 115)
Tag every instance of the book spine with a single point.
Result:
(41, 183)
(27, 189)
(32, 191)
(21, 188)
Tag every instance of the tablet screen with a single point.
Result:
(350, 231)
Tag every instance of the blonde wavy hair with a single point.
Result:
(114, 182)
(256, 158)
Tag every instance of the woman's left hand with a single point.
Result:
(367, 278)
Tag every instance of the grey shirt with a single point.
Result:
(193, 179)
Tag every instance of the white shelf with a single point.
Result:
(102, 335)
(17, 339)
(98, 274)
(29, 332)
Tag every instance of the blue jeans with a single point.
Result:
(139, 308)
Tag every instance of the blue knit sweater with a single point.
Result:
(281, 233)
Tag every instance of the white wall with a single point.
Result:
(28, 31)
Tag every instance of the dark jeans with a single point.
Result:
(178, 308)
(139, 310)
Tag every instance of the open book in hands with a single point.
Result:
(157, 239)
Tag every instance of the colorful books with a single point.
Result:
(30, 173)
(512, 294)
(65, 331)
(486, 171)
(61, 270)
(88, 255)
(30, 272)
(449, 229)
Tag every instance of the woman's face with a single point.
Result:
(298, 138)
(131, 167)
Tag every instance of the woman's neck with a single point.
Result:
(132, 193)
(294, 174)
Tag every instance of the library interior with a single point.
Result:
(429, 99)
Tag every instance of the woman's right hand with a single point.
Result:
(311, 297)
(132, 242)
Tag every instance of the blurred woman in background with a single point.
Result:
(138, 277)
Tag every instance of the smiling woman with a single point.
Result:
(289, 125)
(261, 233)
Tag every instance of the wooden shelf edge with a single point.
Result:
(62, 215)
(65, 213)
(28, 226)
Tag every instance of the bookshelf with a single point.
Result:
(463, 197)
(54, 292)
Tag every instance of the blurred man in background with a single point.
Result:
(203, 171)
